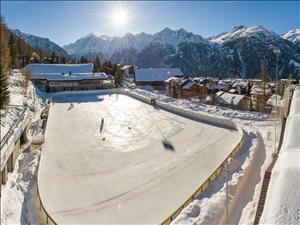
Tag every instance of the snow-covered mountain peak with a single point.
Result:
(243, 31)
(292, 35)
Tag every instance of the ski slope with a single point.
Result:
(144, 164)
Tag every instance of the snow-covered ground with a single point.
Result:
(246, 169)
(20, 98)
(17, 205)
(17, 195)
(244, 178)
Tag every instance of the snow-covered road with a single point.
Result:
(144, 164)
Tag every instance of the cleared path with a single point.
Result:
(143, 165)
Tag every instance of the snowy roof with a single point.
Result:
(242, 84)
(188, 84)
(227, 98)
(171, 78)
(259, 90)
(156, 74)
(60, 68)
(75, 76)
(125, 67)
(215, 86)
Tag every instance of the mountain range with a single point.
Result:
(238, 52)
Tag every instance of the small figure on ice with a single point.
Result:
(71, 106)
(153, 103)
(102, 124)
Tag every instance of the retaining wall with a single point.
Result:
(10, 146)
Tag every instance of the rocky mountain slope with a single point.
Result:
(238, 52)
(42, 43)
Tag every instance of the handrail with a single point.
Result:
(10, 131)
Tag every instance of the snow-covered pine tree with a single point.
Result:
(97, 64)
(118, 77)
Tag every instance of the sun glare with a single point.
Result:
(120, 17)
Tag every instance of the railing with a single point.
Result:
(11, 129)
(205, 185)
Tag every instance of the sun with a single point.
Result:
(120, 17)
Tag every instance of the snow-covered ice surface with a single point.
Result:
(247, 168)
(17, 195)
(130, 171)
(283, 198)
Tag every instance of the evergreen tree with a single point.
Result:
(63, 60)
(4, 47)
(53, 58)
(4, 93)
(83, 59)
(97, 64)
(13, 51)
(119, 77)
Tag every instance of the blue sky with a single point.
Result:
(65, 22)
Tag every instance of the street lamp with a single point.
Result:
(277, 52)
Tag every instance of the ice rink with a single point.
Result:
(144, 164)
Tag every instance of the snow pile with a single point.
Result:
(17, 206)
(272, 100)
(283, 198)
(17, 195)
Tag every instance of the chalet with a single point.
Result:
(259, 96)
(242, 87)
(173, 86)
(128, 71)
(155, 77)
(193, 90)
(241, 102)
(185, 88)
(67, 77)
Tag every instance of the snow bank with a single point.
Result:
(204, 108)
(17, 197)
(283, 198)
